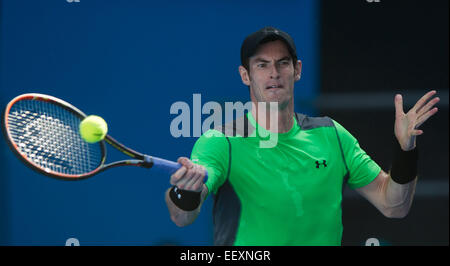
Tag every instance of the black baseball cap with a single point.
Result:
(266, 34)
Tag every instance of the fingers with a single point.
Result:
(416, 132)
(196, 182)
(398, 101)
(189, 177)
(428, 106)
(424, 117)
(423, 100)
(177, 176)
(185, 162)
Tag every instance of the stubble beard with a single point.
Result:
(282, 104)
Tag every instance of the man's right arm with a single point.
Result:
(189, 178)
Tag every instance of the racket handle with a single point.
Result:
(168, 167)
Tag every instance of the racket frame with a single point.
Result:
(139, 159)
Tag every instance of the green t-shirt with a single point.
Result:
(289, 194)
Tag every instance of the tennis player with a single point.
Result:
(290, 194)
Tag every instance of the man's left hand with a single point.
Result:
(407, 125)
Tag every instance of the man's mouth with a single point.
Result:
(275, 86)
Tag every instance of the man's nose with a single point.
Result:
(274, 72)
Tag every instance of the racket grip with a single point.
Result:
(168, 167)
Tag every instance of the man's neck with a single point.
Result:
(274, 119)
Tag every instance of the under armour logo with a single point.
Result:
(324, 164)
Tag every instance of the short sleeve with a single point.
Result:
(211, 151)
(362, 169)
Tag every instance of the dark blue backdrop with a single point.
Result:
(127, 61)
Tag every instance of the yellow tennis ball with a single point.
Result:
(93, 128)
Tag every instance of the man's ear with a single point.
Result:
(244, 75)
(298, 70)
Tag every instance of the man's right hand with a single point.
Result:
(189, 177)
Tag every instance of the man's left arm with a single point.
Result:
(392, 193)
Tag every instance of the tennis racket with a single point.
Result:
(43, 131)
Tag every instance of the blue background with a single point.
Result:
(128, 61)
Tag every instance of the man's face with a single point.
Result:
(272, 74)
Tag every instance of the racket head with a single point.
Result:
(43, 132)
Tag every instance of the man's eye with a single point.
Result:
(284, 63)
(261, 65)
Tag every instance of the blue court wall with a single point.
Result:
(128, 61)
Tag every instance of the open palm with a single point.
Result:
(407, 125)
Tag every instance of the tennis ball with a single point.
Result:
(93, 128)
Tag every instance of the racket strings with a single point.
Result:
(47, 134)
